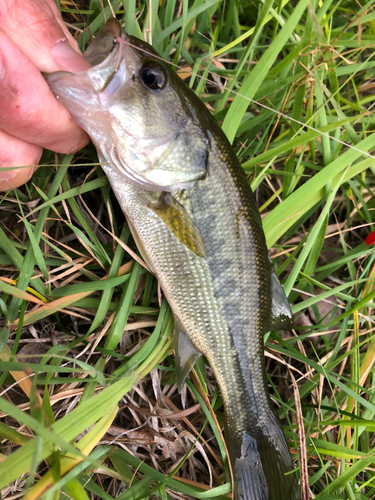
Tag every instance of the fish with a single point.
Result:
(194, 219)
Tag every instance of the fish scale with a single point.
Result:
(238, 293)
(194, 219)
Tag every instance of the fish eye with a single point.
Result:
(153, 76)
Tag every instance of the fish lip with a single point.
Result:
(101, 46)
(97, 78)
(102, 74)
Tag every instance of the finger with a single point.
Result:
(36, 27)
(16, 153)
(28, 109)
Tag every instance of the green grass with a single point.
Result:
(82, 331)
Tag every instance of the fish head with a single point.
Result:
(141, 117)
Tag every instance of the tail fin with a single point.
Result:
(261, 472)
(277, 464)
(249, 480)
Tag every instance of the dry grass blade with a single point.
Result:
(301, 441)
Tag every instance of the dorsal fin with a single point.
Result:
(281, 315)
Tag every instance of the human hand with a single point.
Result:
(33, 38)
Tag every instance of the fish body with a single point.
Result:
(196, 224)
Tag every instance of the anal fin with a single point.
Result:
(185, 355)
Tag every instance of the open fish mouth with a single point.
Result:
(90, 90)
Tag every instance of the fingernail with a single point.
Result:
(15, 177)
(67, 58)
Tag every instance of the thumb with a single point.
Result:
(36, 27)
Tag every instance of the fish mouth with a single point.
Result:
(89, 91)
(103, 43)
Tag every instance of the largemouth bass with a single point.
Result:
(194, 219)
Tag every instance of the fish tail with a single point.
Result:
(277, 463)
(249, 479)
(263, 470)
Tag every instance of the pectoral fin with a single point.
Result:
(185, 355)
(281, 315)
(179, 222)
